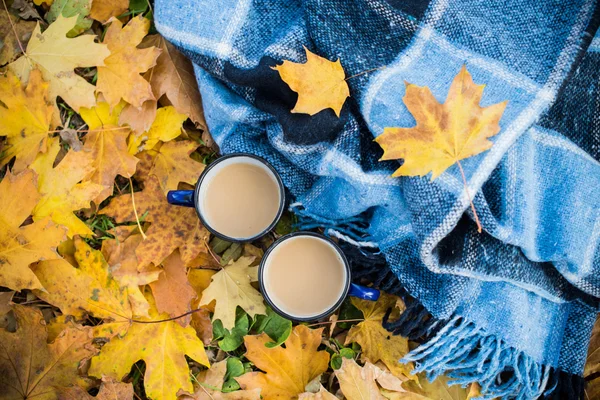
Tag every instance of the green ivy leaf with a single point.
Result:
(275, 326)
(138, 6)
(235, 368)
(219, 245)
(231, 340)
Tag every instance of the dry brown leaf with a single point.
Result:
(376, 342)
(358, 383)
(287, 370)
(120, 255)
(171, 228)
(200, 280)
(30, 368)
(445, 133)
(11, 49)
(173, 76)
(22, 245)
(25, 118)
(120, 77)
(172, 291)
(139, 119)
(109, 390)
(103, 10)
(213, 378)
(320, 83)
(592, 364)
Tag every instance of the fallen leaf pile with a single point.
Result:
(109, 292)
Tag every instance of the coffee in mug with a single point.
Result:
(304, 276)
(239, 197)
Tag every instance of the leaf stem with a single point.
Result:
(137, 219)
(364, 72)
(338, 321)
(462, 173)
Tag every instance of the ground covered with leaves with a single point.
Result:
(108, 291)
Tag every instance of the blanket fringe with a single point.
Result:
(351, 230)
(464, 353)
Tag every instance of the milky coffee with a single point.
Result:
(240, 199)
(304, 276)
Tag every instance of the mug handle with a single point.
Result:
(181, 198)
(363, 292)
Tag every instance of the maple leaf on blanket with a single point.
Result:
(320, 83)
(25, 118)
(171, 227)
(56, 56)
(444, 133)
(22, 245)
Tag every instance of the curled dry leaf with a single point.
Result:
(120, 255)
(22, 245)
(231, 288)
(171, 227)
(25, 118)
(211, 383)
(376, 342)
(163, 347)
(60, 190)
(287, 370)
(172, 291)
(445, 133)
(56, 56)
(320, 83)
(119, 77)
(31, 368)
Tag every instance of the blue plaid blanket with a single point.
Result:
(513, 306)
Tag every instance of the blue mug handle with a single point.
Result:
(363, 292)
(181, 198)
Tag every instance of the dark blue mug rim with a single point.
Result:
(282, 198)
(282, 313)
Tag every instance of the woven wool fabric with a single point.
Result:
(513, 306)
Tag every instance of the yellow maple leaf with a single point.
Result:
(60, 188)
(120, 255)
(358, 383)
(103, 10)
(25, 118)
(119, 77)
(213, 378)
(375, 341)
(445, 133)
(90, 287)
(163, 347)
(22, 245)
(322, 394)
(171, 228)
(33, 369)
(439, 389)
(320, 83)
(200, 280)
(172, 164)
(107, 144)
(166, 126)
(57, 56)
(230, 288)
(287, 370)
